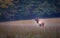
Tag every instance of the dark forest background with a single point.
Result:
(28, 9)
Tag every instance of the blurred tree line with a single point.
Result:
(27, 9)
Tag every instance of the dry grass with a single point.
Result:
(29, 29)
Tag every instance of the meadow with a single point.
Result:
(30, 29)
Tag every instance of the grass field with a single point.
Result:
(30, 29)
